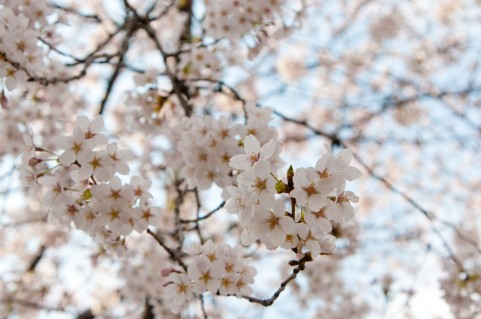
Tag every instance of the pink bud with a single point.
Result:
(167, 271)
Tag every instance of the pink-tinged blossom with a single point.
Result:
(311, 243)
(253, 153)
(146, 216)
(328, 244)
(113, 191)
(119, 158)
(219, 266)
(54, 187)
(261, 114)
(75, 147)
(67, 211)
(273, 225)
(292, 239)
(90, 221)
(141, 188)
(117, 215)
(341, 210)
(260, 181)
(318, 219)
(308, 190)
(205, 274)
(241, 201)
(13, 77)
(178, 291)
(91, 129)
(335, 169)
(98, 164)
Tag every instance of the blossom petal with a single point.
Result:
(251, 144)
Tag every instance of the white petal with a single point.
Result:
(239, 162)
(321, 163)
(82, 122)
(276, 237)
(302, 230)
(97, 124)
(63, 142)
(247, 237)
(84, 172)
(268, 149)
(300, 195)
(67, 158)
(324, 225)
(287, 225)
(315, 202)
(352, 173)
(251, 144)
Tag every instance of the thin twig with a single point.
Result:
(268, 302)
(209, 214)
(171, 252)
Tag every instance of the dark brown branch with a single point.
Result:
(197, 214)
(202, 306)
(114, 75)
(209, 214)
(178, 86)
(268, 302)
(94, 17)
(171, 252)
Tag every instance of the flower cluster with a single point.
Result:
(206, 145)
(199, 63)
(218, 269)
(233, 18)
(18, 48)
(83, 187)
(317, 195)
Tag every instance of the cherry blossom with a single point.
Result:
(253, 153)
(308, 190)
(273, 226)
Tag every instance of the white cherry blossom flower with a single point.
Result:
(119, 158)
(328, 244)
(260, 181)
(334, 169)
(242, 202)
(98, 164)
(147, 215)
(273, 225)
(205, 274)
(178, 291)
(318, 219)
(141, 187)
(308, 190)
(54, 187)
(341, 210)
(76, 147)
(292, 240)
(91, 129)
(253, 153)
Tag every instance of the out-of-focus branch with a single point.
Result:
(209, 214)
(33, 305)
(431, 218)
(94, 17)
(171, 252)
